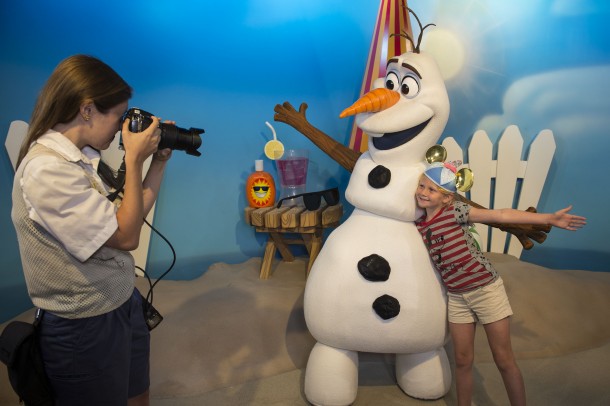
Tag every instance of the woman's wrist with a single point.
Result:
(162, 155)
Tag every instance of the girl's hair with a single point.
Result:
(77, 79)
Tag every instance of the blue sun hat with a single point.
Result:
(443, 175)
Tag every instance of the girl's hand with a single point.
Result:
(561, 218)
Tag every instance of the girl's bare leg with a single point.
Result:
(498, 336)
(462, 336)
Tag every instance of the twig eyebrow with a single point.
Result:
(404, 65)
(411, 67)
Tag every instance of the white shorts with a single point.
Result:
(486, 304)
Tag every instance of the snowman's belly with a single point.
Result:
(339, 299)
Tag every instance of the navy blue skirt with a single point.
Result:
(100, 360)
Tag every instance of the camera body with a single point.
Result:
(171, 136)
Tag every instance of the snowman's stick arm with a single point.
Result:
(344, 156)
(524, 232)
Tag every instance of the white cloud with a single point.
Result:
(574, 101)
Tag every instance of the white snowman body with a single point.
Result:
(341, 296)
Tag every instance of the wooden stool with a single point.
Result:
(307, 225)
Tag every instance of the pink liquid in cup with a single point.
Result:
(293, 171)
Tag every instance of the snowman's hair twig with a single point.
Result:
(406, 35)
(421, 32)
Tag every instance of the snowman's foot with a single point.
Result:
(331, 377)
(424, 376)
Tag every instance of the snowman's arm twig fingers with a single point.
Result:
(344, 156)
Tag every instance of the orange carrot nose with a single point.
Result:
(372, 102)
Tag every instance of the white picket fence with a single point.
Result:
(508, 180)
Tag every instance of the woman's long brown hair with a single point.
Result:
(77, 79)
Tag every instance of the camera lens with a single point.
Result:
(171, 136)
(181, 139)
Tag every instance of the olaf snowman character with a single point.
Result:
(373, 287)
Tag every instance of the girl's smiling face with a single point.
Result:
(429, 197)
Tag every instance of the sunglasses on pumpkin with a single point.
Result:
(312, 200)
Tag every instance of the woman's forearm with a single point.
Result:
(152, 184)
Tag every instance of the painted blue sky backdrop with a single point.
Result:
(223, 66)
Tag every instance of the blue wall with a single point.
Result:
(538, 65)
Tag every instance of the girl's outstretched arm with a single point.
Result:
(561, 218)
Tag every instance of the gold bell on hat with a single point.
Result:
(436, 153)
(464, 179)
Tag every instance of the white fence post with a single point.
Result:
(499, 178)
(510, 149)
(537, 167)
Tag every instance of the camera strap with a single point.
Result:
(120, 178)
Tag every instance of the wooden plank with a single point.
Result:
(273, 218)
(248, 214)
(267, 259)
(537, 168)
(258, 216)
(312, 218)
(314, 249)
(484, 169)
(280, 244)
(454, 151)
(292, 217)
(297, 230)
(332, 215)
(307, 242)
(17, 132)
(510, 149)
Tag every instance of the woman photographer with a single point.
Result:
(75, 243)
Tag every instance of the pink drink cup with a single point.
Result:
(293, 171)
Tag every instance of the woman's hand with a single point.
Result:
(162, 155)
(139, 146)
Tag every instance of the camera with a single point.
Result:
(171, 136)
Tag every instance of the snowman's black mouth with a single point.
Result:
(393, 140)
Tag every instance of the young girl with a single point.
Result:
(475, 290)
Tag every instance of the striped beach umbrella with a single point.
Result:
(392, 18)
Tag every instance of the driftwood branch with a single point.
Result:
(344, 156)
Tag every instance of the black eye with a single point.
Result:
(409, 86)
(391, 81)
